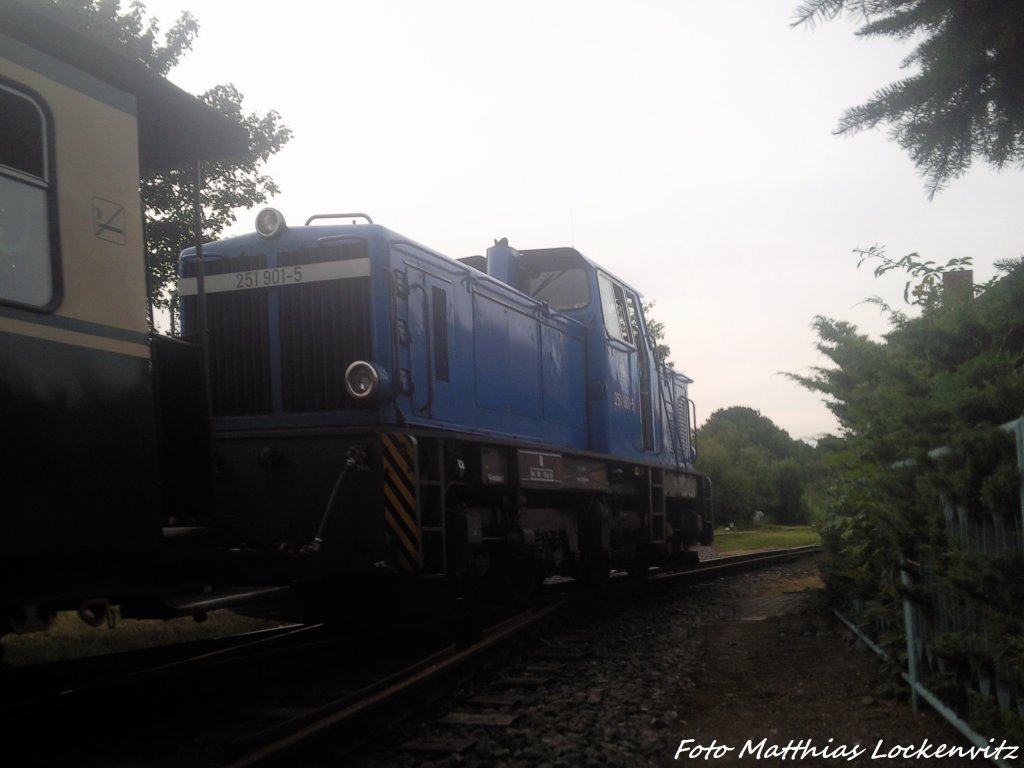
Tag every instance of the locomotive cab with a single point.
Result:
(633, 402)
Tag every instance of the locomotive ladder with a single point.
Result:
(414, 504)
(657, 505)
(432, 513)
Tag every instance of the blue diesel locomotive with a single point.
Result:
(343, 409)
(381, 409)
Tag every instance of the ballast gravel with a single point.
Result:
(750, 668)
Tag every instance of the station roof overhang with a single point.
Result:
(174, 126)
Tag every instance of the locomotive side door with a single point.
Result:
(428, 339)
(645, 369)
(628, 373)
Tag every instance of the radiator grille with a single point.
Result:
(239, 339)
(285, 348)
(683, 427)
(323, 330)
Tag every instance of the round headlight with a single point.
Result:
(362, 380)
(270, 222)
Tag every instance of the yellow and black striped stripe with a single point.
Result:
(400, 507)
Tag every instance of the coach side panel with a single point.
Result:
(79, 511)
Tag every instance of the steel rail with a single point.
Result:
(732, 564)
(34, 685)
(280, 740)
(339, 713)
(349, 711)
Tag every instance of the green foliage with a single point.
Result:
(924, 278)
(656, 330)
(965, 95)
(168, 194)
(227, 185)
(948, 379)
(754, 466)
(131, 29)
(931, 378)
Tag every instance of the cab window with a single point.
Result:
(562, 280)
(635, 313)
(613, 304)
(26, 253)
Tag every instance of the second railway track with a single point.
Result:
(305, 688)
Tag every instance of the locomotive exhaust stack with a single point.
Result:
(503, 262)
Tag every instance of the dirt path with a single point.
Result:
(726, 662)
(778, 672)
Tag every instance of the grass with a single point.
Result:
(70, 638)
(766, 537)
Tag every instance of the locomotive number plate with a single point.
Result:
(276, 277)
(264, 278)
(540, 468)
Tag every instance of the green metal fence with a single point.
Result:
(969, 685)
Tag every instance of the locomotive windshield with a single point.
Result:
(560, 279)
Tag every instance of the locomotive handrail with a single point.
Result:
(338, 216)
(428, 335)
(693, 427)
(337, 238)
(665, 414)
(396, 352)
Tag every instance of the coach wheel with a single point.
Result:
(595, 570)
(707, 535)
(638, 572)
(639, 568)
(520, 580)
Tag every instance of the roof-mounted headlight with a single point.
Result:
(365, 381)
(270, 223)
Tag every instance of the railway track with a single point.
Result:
(260, 699)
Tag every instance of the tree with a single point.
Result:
(956, 367)
(754, 465)
(967, 96)
(656, 331)
(946, 378)
(167, 195)
(132, 30)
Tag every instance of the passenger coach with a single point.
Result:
(82, 520)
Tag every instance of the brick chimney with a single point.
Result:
(957, 287)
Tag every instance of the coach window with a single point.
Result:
(26, 256)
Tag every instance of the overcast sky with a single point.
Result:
(686, 145)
